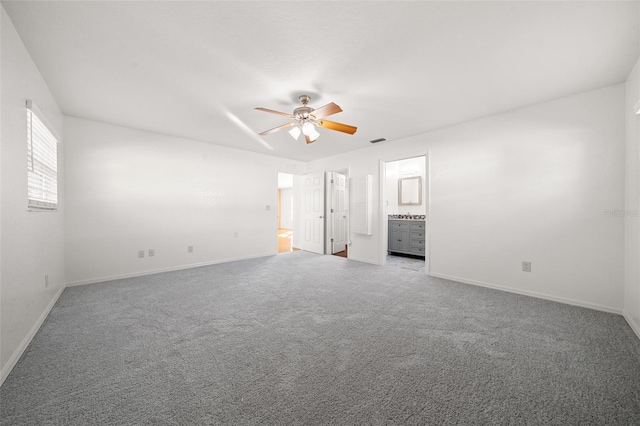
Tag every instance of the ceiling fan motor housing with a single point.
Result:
(303, 112)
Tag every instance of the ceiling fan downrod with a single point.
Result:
(303, 113)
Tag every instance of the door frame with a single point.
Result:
(346, 171)
(278, 200)
(426, 196)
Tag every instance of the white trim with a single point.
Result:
(545, 296)
(634, 325)
(355, 259)
(160, 271)
(382, 218)
(15, 357)
(427, 212)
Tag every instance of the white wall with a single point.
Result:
(131, 190)
(32, 244)
(395, 170)
(528, 185)
(286, 208)
(632, 203)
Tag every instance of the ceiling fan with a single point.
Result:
(306, 118)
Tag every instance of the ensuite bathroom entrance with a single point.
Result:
(405, 208)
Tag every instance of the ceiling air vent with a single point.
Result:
(378, 140)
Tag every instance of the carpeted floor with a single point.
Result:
(300, 338)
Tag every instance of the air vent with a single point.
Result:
(378, 140)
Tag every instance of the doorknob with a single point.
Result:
(321, 217)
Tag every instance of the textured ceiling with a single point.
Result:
(197, 69)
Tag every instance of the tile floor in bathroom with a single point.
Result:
(405, 262)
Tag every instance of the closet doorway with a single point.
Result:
(337, 202)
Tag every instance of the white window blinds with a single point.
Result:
(42, 162)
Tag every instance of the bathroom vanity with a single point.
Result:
(407, 235)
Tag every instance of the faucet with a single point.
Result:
(409, 216)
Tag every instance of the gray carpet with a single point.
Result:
(306, 339)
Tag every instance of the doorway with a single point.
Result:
(337, 195)
(405, 213)
(324, 213)
(285, 213)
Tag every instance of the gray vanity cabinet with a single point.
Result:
(407, 237)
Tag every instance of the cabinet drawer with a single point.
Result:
(399, 225)
(417, 234)
(417, 242)
(417, 250)
(416, 226)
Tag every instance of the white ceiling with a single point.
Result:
(197, 69)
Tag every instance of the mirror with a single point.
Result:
(410, 191)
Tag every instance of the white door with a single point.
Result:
(313, 212)
(338, 212)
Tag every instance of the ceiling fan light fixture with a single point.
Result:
(314, 135)
(308, 129)
(295, 132)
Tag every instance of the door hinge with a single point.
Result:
(331, 210)
(331, 180)
(332, 240)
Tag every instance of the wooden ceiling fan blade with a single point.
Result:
(275, 129)
(286, 114)
(326, 110)
(332, 125)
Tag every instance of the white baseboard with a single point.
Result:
(634, 325)
(362, 260)
(27, 339)
(159, 271)
(567, 301)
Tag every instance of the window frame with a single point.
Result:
(42, 161)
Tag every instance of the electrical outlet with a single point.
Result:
(46, 281)
(526, 266)
(140, 253)
(235, 234)
(268, 207)
(189, 249)
(152, 252)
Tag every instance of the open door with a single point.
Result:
(338, 211)
(313, 212)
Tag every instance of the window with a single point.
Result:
(42, 162)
